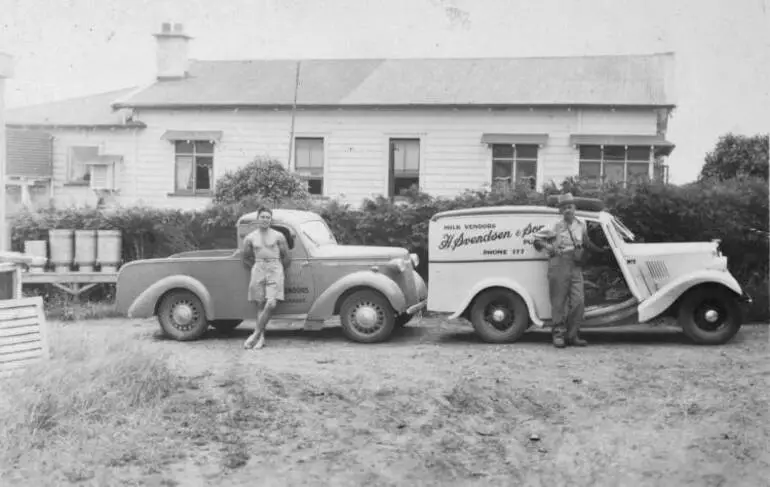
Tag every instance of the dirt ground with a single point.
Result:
(435, 406)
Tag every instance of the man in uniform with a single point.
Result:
(565, 243)
(266, 254)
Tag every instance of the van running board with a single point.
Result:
(619, 314)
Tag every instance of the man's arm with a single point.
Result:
(545, 240)
(283, 247)
(248, 253)
(588, 243)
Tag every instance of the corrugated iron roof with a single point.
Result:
(86, 111)
(622, 80)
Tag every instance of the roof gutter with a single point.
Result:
(299, 106)
(134, 125)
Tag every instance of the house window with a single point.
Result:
(194, 166)
(404, 165)
(614, 164)
(309, 162)
(78, 162)
(514, 163)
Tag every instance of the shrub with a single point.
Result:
(654, 212)
(266, 179)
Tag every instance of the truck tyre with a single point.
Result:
(181, 315)
(499, 316)
(709, 316)
(225, 325)
(367, 317)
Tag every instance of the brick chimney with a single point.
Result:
(171, 51)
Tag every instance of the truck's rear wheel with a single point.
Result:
(225, 325)
(709, 316)
(181, 315)
(499, 316)
(367, 317)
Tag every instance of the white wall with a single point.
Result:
(356, 146)
(111, 141)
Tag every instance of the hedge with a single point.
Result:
(734, 211)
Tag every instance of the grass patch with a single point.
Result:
(112, 407)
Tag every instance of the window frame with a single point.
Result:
(394, 174)
(514, 161)
(603, 161)
(319, 172)
(85, 181)
(195, 155)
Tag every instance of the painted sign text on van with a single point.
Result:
(452, 240)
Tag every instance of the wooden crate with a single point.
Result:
(23, 333)
(10, 281)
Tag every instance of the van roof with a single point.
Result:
(282, 216)
(508, 209)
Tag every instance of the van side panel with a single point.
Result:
(465, 250)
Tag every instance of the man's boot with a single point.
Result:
(558, 339)
(578, 342)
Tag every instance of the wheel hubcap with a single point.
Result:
(183, 315)
(499, 316)
(367, 317)
(711, 315)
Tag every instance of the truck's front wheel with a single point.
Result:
(367, 317)
(709, 316)
(181, 315)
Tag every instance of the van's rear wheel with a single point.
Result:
(709, 316)
(181, 315)
(499, 316)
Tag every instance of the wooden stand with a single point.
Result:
(74, 283)
(23, 334)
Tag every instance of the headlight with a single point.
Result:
(415, 259)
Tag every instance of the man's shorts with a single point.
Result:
(266, 281)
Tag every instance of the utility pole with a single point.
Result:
(289, 164)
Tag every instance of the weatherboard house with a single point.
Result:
(354, 128)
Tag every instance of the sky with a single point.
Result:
(69, 48)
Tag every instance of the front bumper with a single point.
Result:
(746, 298)
(417, 307)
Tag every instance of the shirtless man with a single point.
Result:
(266, 254)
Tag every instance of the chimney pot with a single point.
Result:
(178, 28)
(166, 27)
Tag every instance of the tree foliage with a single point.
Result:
(737, 156)
(265, 179)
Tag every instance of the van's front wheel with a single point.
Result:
(499, 316)
(709, 316)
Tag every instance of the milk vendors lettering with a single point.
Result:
(453, 240)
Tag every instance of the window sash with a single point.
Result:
(516, 163)
(77, 169)
(194, 167)
(611, 167)
(404, 164)
(309, 154)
